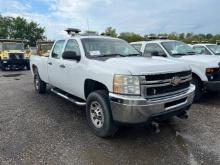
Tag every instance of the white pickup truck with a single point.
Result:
(114, 81)
(205, 69)
(207, 49)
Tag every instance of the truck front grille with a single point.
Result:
(167, 76)
(16, 56)
(165, 84)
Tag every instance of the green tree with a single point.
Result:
(20, 28)
(5, 26)
(130, 37)
(109, 31)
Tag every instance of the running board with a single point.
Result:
(73, 100)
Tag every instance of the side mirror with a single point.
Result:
(71, 55)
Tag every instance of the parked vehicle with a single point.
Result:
(114, 81)
(44, 47)
(13, 55)
(207, 49)
(205, 69)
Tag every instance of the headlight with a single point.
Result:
(124, 84)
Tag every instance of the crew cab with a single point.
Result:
(205, 69)
(117, 85)
(207, 49)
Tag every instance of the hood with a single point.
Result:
(14, 51)
(147, 65)
(207, 60)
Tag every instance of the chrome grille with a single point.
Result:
(165, 84)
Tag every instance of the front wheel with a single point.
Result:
(40, 86)
(198, 90)
(98, 114)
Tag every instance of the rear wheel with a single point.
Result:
(40, 86)
(198, 91)
(98, 114)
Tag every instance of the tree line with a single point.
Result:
(185, 37)
(30, 32)
(18, 27)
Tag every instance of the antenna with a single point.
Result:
(72, 31)
(87, 21)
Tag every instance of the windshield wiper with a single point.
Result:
(111, 55)
(191, 53)
(135, 54)
(178, 54)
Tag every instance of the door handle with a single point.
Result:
(62, 66)
(50, 63)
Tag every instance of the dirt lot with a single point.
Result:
(46, 129)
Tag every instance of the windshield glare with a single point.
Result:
(215, 49)
(177, 48)
(13, 46)
(105, 47)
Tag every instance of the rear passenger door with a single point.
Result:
(54, 64)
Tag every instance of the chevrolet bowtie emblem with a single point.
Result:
(175, 81)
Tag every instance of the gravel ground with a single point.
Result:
(46, 129)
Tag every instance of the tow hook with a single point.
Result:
(155, 126)
(184, 115)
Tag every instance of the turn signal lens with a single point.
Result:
(211, 70)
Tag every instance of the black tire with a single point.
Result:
(108, 128)
(3, 68)
(198, 91)
(40, 86)
(28, 67)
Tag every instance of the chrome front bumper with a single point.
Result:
(136, 109)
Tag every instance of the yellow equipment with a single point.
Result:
(44, 47)
(13, 55)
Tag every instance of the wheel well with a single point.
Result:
(34, 68)
(92, 85)
(197, 77)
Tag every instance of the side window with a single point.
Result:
(154, 50)
(137, 46)
(201, 50)
(57, 50)
(72, 45)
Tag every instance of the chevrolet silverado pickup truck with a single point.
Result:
(205, 69)
(117, 85)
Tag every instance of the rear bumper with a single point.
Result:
(17, 63)
(135, 110)
(212, 86)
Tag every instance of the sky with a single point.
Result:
(139, 16)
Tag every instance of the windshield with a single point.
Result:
(215, 49)
(13, 46)
(177, 48)
(105, 47)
